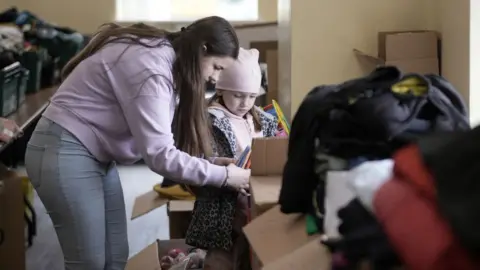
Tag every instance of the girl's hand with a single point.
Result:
(223, 161)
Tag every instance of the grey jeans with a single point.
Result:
(83, 197)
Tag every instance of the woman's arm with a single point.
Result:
(145, 92)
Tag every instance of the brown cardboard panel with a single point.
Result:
(406, 49)
(409, 45)
(269, 156)
(370, 59)
(146, 259)
(147, 202)
(421, 66)
(265, 191)
(179, 217)
(382, 39)
(264, 231)
(312, 256)
(12, 224)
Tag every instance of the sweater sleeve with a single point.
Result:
(146, 107)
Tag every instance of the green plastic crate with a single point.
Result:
(9, 82)
(22, 88)
(33, 61)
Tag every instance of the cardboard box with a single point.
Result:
(12, 223)
(179, 217)
(274, 235)
(149, 258)
(311, 256)
(412, 51)
(178, 211)
(268, 158)
(146, 203)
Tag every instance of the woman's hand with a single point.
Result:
(223, 161)
(8, 129)
(238, 178)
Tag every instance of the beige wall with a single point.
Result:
(87, 15)
(452, 20)
(323, 34)
(317, 39)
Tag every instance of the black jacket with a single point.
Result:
(363, 117)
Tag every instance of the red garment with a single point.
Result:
(406, 208)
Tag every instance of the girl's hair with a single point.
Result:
(253, 111)
(191, 128)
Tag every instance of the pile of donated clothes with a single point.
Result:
(410, 156)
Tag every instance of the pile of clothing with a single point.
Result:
(61, 42)
(11, 45)
(406, 143)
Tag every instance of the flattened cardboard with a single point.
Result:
(264, 232)
(312, 256)
(146, 203)
(147, 259)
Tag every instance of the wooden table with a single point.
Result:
(30, 109)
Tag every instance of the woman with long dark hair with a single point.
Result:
(117, 104)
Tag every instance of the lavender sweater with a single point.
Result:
(121, 108)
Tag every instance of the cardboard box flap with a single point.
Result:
(146, 259)
(146, 203)
(265, 190)
(369, 58)
(312, 256)
(264, 231)
(269, 156)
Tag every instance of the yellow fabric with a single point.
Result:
(412, 85)
(27, 192)
(175, 192)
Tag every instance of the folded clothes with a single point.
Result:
(175, 192)
(177, 259)
(362, 240)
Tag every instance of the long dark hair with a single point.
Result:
(191, 128)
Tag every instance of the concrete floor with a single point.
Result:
(45, 254)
